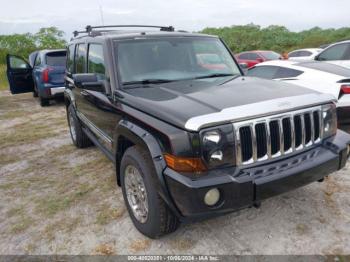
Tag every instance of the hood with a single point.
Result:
(194, 104)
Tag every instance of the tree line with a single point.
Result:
(238, 38)
(277, 38)
(23, 44)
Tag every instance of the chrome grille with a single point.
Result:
(271, 137)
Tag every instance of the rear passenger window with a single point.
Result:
(96, 63)
(80, 59)
(267, 72)
(70, 58)
(283, 72)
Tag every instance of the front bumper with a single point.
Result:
(243, 187)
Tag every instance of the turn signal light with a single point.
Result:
(185, 164)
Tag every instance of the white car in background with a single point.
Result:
(338, 54)
(320, 76)
(304, 54)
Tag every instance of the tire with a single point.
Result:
(79, 138)
(159, 220)
(44, 101)
(35, 91)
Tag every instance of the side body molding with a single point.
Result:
(140, 136)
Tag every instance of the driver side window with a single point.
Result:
(18, 63)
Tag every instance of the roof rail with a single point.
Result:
(89, 28)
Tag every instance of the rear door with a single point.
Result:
(56, 64)
(19, 75)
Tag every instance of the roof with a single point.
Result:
(307, 49)
(106, 32)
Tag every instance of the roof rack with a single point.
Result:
(89, 29)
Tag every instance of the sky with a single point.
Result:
(21, 16)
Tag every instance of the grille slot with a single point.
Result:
(247, 143)
(287, 134)
(275, 137)
(271, 137)
(298, 131)
(261, 141)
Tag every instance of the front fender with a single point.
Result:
(141, 137)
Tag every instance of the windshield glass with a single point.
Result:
(173, 58)
(271, 55)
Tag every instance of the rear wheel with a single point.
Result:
(148, 211)
(79, 138)
(44, 101)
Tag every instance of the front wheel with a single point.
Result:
(148, 211)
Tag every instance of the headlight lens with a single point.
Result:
(217, 146)
(329, 117)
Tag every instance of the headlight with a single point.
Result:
(329, 117)
(217, 146)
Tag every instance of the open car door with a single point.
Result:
(19, 75)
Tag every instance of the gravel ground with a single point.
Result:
(56, 199)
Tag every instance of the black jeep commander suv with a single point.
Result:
(190, 136)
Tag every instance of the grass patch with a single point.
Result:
(106, 215)
(22, 224)
(12, 114)
(15, 211)
(26, 133)
(66, 225)
(140, 245)
(54, 204)
(104, 249)
(3, 77)
(6, 159)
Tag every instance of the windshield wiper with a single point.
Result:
(147, 81)
(214, 75)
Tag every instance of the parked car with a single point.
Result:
(252, 58)
(43, 74)
(322, 77)
(190, 142)
(338, 53)
(303, 54)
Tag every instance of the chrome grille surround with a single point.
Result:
(279, 122)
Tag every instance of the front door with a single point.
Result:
(19, 75)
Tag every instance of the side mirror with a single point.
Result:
(88, 82)
(260, 60)
(316, 58)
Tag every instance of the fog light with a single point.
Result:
(212, 197)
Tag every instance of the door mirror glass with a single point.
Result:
(18, 63)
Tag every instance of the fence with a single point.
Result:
(3, 78)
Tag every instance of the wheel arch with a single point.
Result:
(129, 134)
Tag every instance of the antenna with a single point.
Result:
(101, 13)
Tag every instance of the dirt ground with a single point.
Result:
(56, 199)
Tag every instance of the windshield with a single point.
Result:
(271, 55)
(172, 59)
